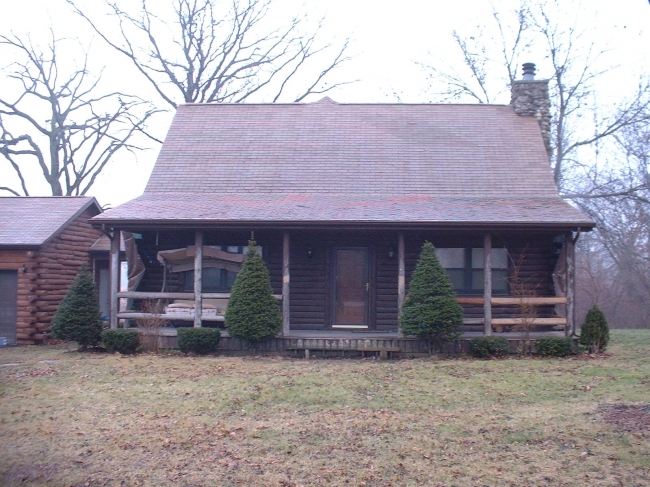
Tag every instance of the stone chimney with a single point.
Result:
(530, 99)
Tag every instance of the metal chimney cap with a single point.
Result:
(529, 71)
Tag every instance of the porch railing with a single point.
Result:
(499, 323)
(134, 315)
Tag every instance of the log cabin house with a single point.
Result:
(43, 243)
(341, 198)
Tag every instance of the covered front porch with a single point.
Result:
(335, 285)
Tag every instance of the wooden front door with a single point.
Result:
(8, 305)
(351, 288)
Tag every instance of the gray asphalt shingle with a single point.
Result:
(326, 161)
(31, 221)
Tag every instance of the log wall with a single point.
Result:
(45, 275)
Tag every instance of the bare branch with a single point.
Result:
(66, 125)
(213, 55)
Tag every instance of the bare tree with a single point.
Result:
(218, 51)
(59, 124)
(483, 74)
(621, 244)
(573, 56)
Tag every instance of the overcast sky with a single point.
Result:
(387, 38)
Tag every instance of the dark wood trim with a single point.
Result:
(372, 292)
(140, 225)
(334, 287)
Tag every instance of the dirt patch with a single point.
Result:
(627, 417)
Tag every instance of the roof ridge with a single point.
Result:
(327, 100)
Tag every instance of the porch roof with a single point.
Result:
(180, 209)
(330, 162)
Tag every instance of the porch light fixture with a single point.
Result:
(310, 252)
(391, 252)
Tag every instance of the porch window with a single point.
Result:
(215, 279)
(464, 266)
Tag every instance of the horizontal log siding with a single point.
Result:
(58, 263)
(309, 285)
(47, 276)
(386, 285)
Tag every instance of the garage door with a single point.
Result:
(8, 303)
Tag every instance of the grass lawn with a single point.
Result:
(70, 418)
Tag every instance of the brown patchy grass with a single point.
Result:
(70, 418)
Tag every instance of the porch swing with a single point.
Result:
(214, 305)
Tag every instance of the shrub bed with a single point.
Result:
(121, 340)
(553, 347)
(485, 347)
(199, 340)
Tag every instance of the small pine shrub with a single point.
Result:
(595, 331)
(553, 347)
(125, 341)
(199, 340)
(484, 347)
(78, 316)
(430, 311)
(253, 313)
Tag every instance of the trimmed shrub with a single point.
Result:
(198, 340)
(595, 331)
(484, 347)
(553, 347)
(253, 313)
(430, 311)
(121, 340)
(78, 316)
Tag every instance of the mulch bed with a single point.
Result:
(627, 417)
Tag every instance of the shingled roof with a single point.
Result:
(30, 222)
(327, 162)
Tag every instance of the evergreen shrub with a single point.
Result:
(484, 347)
(78, 316)
(553, 347)
(430, 311)
(125, 341)
(595, 331)
(253, 313)
(199, 340)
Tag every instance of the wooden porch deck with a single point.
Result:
(347, 343)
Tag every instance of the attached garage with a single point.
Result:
(43, 242)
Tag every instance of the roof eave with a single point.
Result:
(136, 225)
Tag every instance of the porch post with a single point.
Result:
(198, 277)
(114, 277)
(570, 284)
(487, 285)
(401, 281)
(286, 279)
